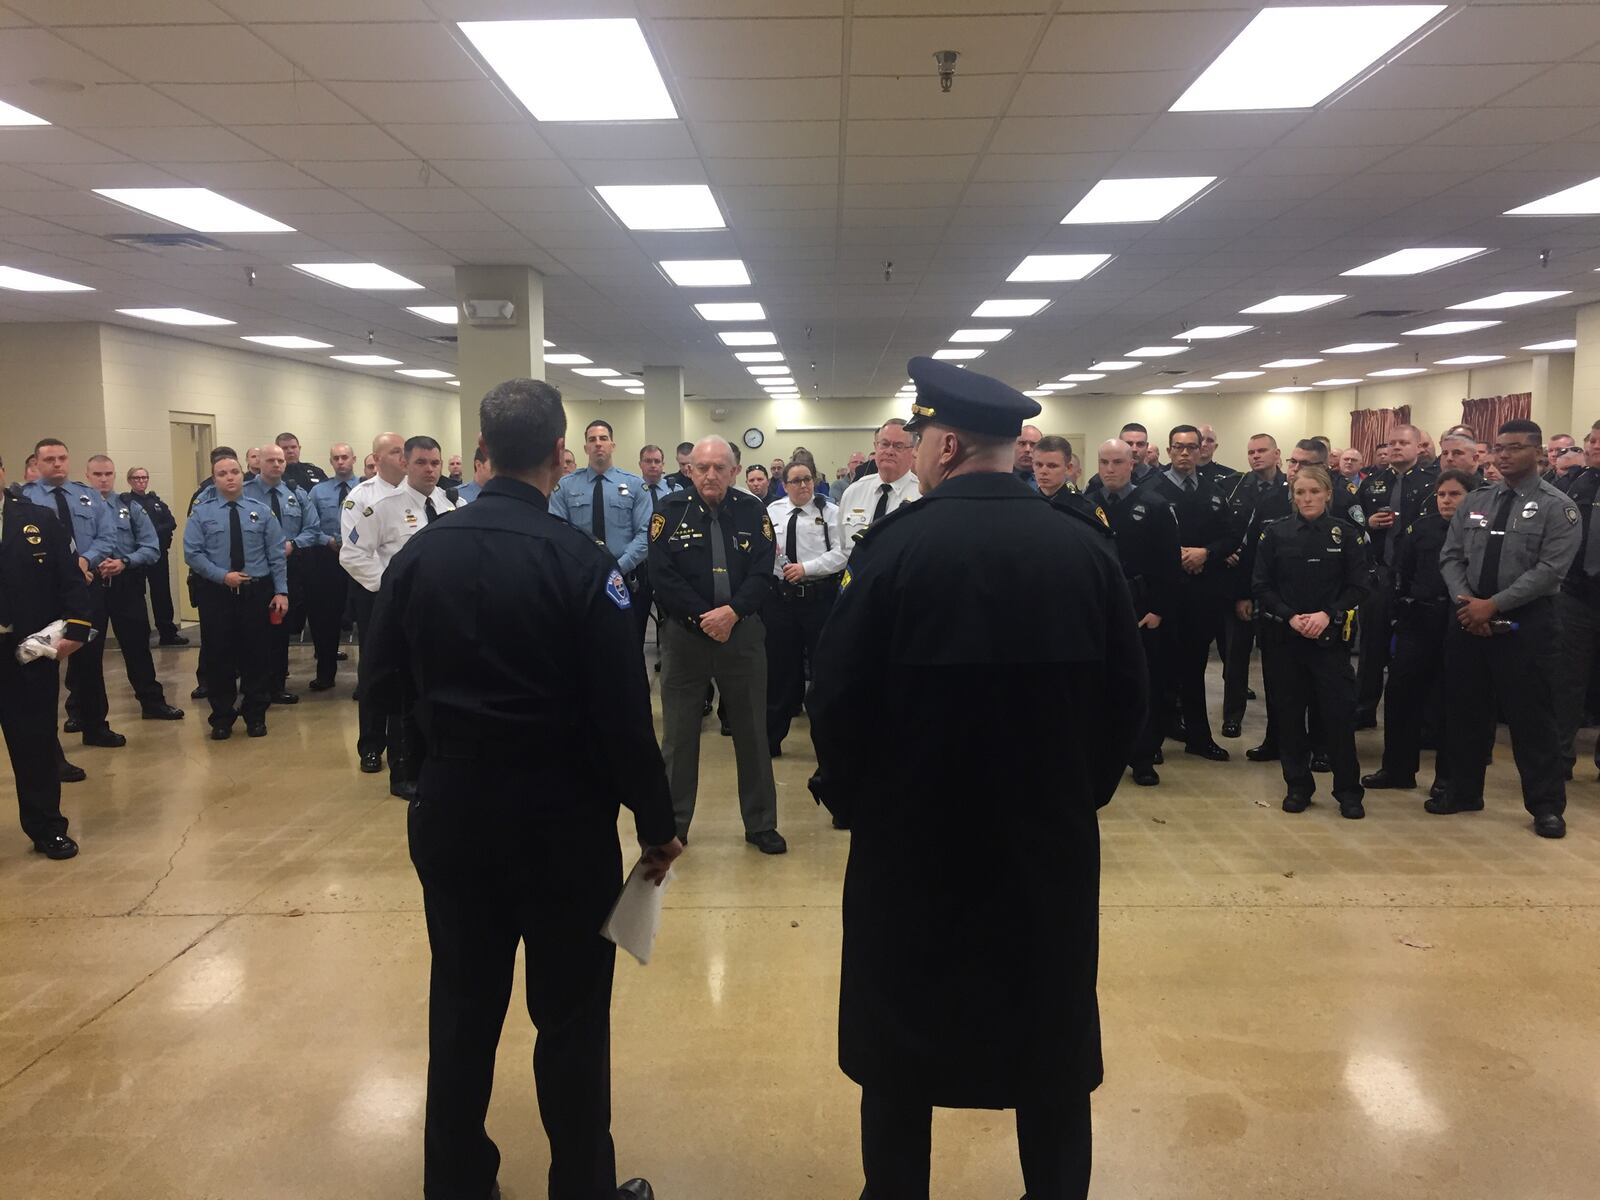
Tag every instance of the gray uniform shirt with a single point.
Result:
(1541, 539)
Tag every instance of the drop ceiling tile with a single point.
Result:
(507, 173)
(767, 197)
(1496, 126)
(734, 48)
(1181, 41)
(1567, 85)
(1580, 159)
(38, 145)
(900, 195)
(31, 53)
(1516, 33)
(1064, 135)
(628, 170)
(230, 177)
(1045, 167)
(318, 10)
(645, 140)
(1434, 156)
(177, 144)
(337, 224)
(413, 199)
(1216, 131)
(813, 99)
(430, 102)
(910, 169)
(767, 139)
(539, 200)
(989, 45)
(392, 51)
(1335, 128)
(119, 12)
(1075, 95)
(347, 143)
(299, 103)
(820, 170)
(404, 173)
(731, 8)
(917, 97)
(476, 242)
(1303, 160)
(1150, 164)
(203, 54)
(287, 203)
(943, 136)
(1403, 85)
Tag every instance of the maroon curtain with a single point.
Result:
(1484, 417)
(1370, 427)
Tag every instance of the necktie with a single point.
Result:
(1188, 484)
(653, 494)
(721, 585)
(1396, 502)
(344, 490)
(428, 511)
(791, 540)
(65, 514)
(1489, 577)
(599, 519)
(882, 508)
(1111, 503)
(272, 499)
(235, 539)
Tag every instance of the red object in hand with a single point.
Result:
(274, 616)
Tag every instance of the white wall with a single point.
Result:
(1435, 400)
(50, 387)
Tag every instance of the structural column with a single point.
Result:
(663, 410)
(1586, 368)
(487, 355)
(1552, 396)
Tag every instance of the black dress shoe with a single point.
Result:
(71, 725)
(104, 736)
(768, 841)
(840, 823)
(341, 657)
(1249, 693)
(1353, 811)
(162, 712)
(221, 733)
(1296, 804)
(636, 1189)
(1159, 758)
(284, 698)
(1262, 753)
(61, 846)
(256, 728)
(176, 639)
(1230, 729)
(1321, 763)
(402, 789)
(199, 693)
(1145, 775)
(1210, 750)
(1447, 805)
(705, 709)
(320, 685)
(372, 763)
(1437, 790)
(727, 730)
(68, 773)
(1381, 779)
(1550, 825)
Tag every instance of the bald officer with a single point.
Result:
(974, 987)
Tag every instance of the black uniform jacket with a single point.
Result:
(1309, 566)
(680, 553)
(513, 632)
(1422, 601)
(1203, 520)
(39, 578)
(1583, 487)
(1377, 491)
(1145, 533)
(971, 899)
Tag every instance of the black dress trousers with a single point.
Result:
(159, 578)
(86, 680)
(326, 588)
(794, 617)
(28, 697)
(125, 612)
(1311, 693)
(233, 629)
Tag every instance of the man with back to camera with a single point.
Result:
(159, 576)
(1509, 547)
(297, 517)
(560, 684)
(327, 585)
(974, 988)
(360, 564)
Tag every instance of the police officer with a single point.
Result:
(1578, 605)
(389, 473)
(712, 552)
(234, 545)
(1022, 457)
(805, 582)
(1508, 549)
(302, 475)
(40, 583)
(1309, 575)
(327, 585)
(505, 853)
(297, 516)
(87, 520)
(652, 462)
(880, 492)
(606, 502)
(680, 478)
(1266, 487)
(1050, 458)
(159, 576)
(481, 472)
(1422, 611)
(1209, 468)
(1146, 539)
(971, 600)
(122, 574)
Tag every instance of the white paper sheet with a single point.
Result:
(636, 917)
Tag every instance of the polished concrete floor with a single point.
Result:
(224, 996)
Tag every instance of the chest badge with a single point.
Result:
(1529, 509)
(254, 516)
(622, 489)
(1337, 533)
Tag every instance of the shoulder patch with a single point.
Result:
(657, 524)
(366, 512)
(617, 590)
(844, 580)
(1101, 513)
(349, 503)
(766, 527)
(1572, 515)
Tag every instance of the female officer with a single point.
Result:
(1422, 614)
(1310, 574)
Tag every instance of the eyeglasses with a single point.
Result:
(1508, 447)
(1181, 448)
(799, 481)
(891, 445)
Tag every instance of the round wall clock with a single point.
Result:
(753, 438)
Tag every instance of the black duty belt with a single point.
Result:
(807, 591)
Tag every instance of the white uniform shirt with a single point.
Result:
(382, 528)
(816, 540)
(352, 557)
(860, 501)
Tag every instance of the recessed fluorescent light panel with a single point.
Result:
(776, 385)
(1057, 387)
(366, 277)
(1130, 201)
(1296, 57)
(669, 206)
(288, 341)
(1114, 365)
(1161, 392)
(1038, 394)
(1082, 377)
(1360, 347)
(1279, 364)
(425, 373)
(175, 316)
(771, 370)
(706, 272)
(760, 356)
(365, 360)
(594, 372)
(585, 70)
(979, 335)
(1468, 360)
(1334, 382)
(457, 383)
(10, 114)
(1198, 383)
(1417, 261)
(18, 280)
(1508, 300)
(1010, 308)
(1443, 328)
(199, 209)
(443, 314)
(783, 393)
(624, 381)
(1580, 201)
(1057, 268)
(1395, 371)
(1295, 388)
(633, 391)
(1206, 333)
(748, 311)
(565, 360)
(1239, 374)
(949, 352)
(750, 338)
(1156, 351)
(1291, 304)
(1558, 344)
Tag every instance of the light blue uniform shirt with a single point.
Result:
(657, 491)
(467, 493)
(328, 499)
(137, 544)
(93, 530)
(297, 514)
(205, 542)
(628, 511)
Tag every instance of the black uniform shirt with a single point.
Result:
(159, 513)
(304, 475)
(39, 578)
(1145, 534)
(1203, 520)
(1378, 490)
(1583, 488)
(1310, 566)
(680, 553)
(1416, 561)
